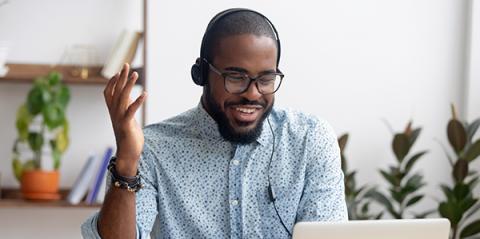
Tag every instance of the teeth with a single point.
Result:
(245, 110)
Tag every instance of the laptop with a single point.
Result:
(374, 229)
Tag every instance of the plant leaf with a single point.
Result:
(390, 178)
(461, 191)
(414, 181)
(413, 159)
(414, 135)
(414, 200)
(54, 78)
(460, 170)
(424, 214)
(472, 129)
(473, 210)
(448, 210)
(56, 159)
(401, 146)
(63, 96)
(17, 167)
(35, 101)
(448, 192)
(35, 140)
(24, 118)
(471, 229)
(380, 198)
(456, 135)
(473, 151)
(53, 116)
(342, 141)
(61, 141)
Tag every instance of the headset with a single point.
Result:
(200, 69)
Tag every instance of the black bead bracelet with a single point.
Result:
(132, 184)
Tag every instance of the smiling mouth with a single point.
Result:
(246, 113)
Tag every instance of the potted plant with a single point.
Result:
(42, 129)
(460, 203)
(404, 183)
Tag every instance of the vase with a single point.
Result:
(40, 185)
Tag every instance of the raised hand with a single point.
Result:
(128, 133)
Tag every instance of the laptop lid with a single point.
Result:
(374, 229)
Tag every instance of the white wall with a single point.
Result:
(351, 62)
(39, 32)
(473, 94)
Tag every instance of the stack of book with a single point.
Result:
(90, 183)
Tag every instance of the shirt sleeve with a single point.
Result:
(146, 201)
(323, 197)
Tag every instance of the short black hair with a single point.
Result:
(237, 23)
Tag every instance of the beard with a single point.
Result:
(225, 127)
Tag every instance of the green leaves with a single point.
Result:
(24, 118)
(401, 146)
(448, 210)
(382, 199)
(457, 136)
(414, 200)
(460, 170)
(35, 140)
(404, 183)
(53, 116)
(473, 151)
(35, 100)
(472, 129)
(413, 160)
(46, 103)
(471, 229)
(459, 201)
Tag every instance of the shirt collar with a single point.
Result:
(209, 128)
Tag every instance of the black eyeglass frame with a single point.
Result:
(225, 74)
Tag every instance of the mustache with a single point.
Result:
(244, 101)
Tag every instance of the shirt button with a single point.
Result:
(236, 162)
(234, 202)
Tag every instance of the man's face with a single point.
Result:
(240, 116)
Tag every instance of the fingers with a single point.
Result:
(108, 91)
(124, 100)
(120, 84)
(135, 105)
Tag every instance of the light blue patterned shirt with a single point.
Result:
(197, 185)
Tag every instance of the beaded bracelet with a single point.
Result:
(132, 184)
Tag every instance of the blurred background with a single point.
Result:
(357, 64)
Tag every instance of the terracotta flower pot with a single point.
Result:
(40, 185)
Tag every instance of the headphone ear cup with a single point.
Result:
(204, 69)
(196, 72)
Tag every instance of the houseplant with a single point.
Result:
(460, 204)
(42, 129)
(403, 182)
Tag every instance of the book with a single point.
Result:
(97, 183)
(83, 181)
(124, 51)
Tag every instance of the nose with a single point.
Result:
(252, 92)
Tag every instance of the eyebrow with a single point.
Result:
(242, 70)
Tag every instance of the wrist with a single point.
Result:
(127, 168)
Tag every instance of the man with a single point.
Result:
(234, 166)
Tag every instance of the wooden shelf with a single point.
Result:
(12, 198)
(21, 73)
(26, 73)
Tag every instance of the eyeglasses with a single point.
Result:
(238, 82)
